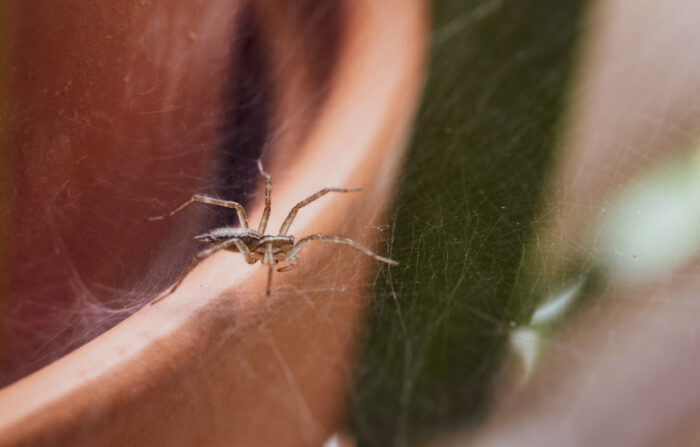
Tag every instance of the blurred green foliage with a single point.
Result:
(464, 212)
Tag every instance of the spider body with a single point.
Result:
(218, 235)
(256, 245)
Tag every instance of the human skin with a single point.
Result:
(115, 115)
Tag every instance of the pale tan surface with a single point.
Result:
(634, 103)
(208, 365)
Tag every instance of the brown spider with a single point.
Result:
(256, 245)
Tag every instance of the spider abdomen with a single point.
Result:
(218, 235)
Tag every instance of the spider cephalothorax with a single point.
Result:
(256, 245)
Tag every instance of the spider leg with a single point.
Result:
(269, 259)
(196, 260)
(268, 199)
(289, 266)
(293, 213)
(336, 240)
(210, 201)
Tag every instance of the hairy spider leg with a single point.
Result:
(268, 199)
(269, 259)
(293, 213)
(337, 240)
(210, 201)
(204, 255)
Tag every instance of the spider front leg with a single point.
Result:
(201, 256)
(210, 201)
(337, 240)
(268, 199)
(293, 213)
(269, 259)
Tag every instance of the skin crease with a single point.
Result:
(203, 366)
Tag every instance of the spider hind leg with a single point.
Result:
(337, 240)
(290, 266)
(270, 260)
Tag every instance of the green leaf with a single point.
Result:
(470, 190)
